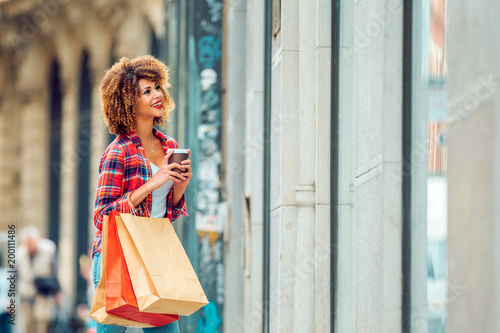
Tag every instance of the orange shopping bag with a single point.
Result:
(98, 310)
(120, 296)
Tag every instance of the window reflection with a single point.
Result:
(437, 182)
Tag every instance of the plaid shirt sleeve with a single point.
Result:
(174, 213)
(109, 195)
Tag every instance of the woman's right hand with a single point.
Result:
(165, 173)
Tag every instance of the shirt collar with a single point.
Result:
(137, 140)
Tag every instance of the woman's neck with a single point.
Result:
(144, 130)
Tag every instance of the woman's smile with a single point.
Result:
(158, 105)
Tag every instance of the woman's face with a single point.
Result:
(149, 103)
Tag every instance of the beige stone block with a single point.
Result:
(322, 126)
(275, 136)
(254, 317)
(392, 247)
(290, 25)
(255, 45)
(322, 274)
(324, 23)
(284, 129)
(10, 163)
(274, 272)
(392, 83)
(34, 165)
(305, 262)
(282, 266)
(369, 256)
(254, 153)
(345, 273)
(307, 93)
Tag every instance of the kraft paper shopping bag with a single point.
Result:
(120, 296)
(163, 278)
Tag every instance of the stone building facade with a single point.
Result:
(53, 55)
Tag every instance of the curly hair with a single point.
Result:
(120, 91)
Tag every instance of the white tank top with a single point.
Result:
(159, 206)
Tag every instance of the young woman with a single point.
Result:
(134, 169)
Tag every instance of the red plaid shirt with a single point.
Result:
(124, 168)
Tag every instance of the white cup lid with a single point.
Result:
(179, 151)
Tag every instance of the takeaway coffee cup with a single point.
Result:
(178, 156)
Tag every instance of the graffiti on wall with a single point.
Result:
(209, 220)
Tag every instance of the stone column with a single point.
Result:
(323, 167)
(34, 162)
(369, 254)
(305, 191)
(345, 293)
(284, 166)
(254, 168)
(99, 132)
(234, 109)
(34, 166)
(69, 167)
(389, 176)
(10, 145)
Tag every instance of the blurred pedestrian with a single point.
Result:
(38, 284)
(134, 174)
(83, 309)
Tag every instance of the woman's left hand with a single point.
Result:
(188, 173)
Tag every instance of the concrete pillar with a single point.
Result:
(254, 171)
(369, 227)
(70, 63)
(323, 169)
(34, 163)
(99, 59)
(391, 163)
(10, 145)
(34, 166)
(234, 109)
(284, 167)
(305, 191)
(345, 302)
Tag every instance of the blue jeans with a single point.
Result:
(100, 328)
